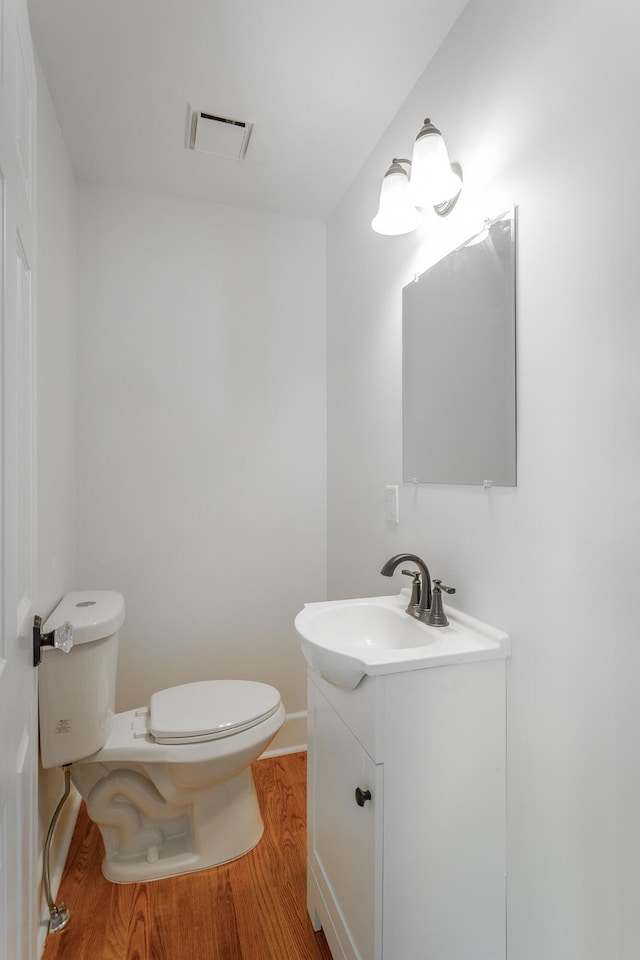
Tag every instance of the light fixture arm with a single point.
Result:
(444, 209)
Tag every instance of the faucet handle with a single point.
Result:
(439, 585)
(416, 588)
(436, 616)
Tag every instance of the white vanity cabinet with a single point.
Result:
(343, 837)
(418, 871)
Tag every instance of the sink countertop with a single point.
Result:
(344, 640)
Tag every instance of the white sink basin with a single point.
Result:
(344, 640)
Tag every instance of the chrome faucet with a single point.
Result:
(420, 602)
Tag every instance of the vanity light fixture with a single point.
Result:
(434, 182)
(396, 213)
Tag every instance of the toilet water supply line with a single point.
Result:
(59, 916)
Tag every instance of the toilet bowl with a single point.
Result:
(168, 784)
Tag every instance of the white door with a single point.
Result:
(18, 715)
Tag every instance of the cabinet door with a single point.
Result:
(346, 837)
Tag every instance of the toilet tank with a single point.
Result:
(77, 689)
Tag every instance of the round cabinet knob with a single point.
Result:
(362, 796)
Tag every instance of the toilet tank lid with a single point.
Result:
(93, 614)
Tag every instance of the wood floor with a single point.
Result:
(251, 909)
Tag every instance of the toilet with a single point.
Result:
(169, 784)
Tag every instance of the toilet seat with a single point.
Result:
(209, 710)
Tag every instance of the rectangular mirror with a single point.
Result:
(459, 364)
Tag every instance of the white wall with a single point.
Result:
(56, 288)
(56, 306)
(539, 104)
(202, 419)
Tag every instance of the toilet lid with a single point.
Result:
(209, 709)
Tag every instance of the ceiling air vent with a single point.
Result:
(220, 136)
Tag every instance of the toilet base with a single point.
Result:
(147, 837)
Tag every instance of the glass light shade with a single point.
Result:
(397, 213)
(432, 179)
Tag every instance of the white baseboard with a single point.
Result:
(292, 736)
(58, 857)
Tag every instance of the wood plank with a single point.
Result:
(253, 908)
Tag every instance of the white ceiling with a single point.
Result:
(321, 81)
